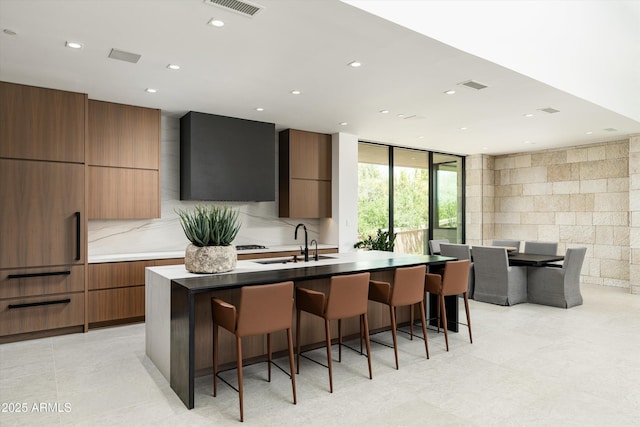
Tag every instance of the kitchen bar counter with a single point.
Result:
(178, 323)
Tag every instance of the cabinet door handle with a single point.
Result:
(78, 236)
(48, 273)
(36, 304)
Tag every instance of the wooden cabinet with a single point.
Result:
(33, 314)
(41, 124)
(42, 211)
(116, 291)
(123, 136)
(28, 282)
(123, 193)
(41, 221)
(310, 155)
(123, 154)
(39, 299)
(305, 174)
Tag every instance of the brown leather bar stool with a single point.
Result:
(263, 309)
(347, 297)
(454, 281)
(408, 289)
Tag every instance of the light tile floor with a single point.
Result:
(529, 365)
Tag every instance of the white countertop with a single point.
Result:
(94, 259)
(172, 272)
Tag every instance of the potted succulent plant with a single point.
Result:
(210, 231)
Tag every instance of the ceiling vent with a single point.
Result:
(242, 7)
(121, 55)
(473, 84)
(611, 129)
(549, 110)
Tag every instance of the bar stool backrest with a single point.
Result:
(348, 296)
(265, 308)
(408, 285)
(455, 279)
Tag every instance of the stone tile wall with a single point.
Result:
(634, 212)
(479, 199)
(578, 196)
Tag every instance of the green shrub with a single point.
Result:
(383, 241)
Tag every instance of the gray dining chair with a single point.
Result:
(542, 248)
(557, 287)
(507, 244)
(434, 246)
(460, 252)
(495, 281)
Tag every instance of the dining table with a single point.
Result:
(533, 260)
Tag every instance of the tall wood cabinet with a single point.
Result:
(304, 174)
(123, 154)
(42, 209)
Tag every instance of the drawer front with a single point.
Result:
(41, 281)
(116, 274)
(114, 304)
(20, 315)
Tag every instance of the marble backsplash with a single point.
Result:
(260, 222)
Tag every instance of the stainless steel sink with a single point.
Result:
(299, 260)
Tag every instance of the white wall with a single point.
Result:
(260, 221)
(571, 45)
(342, 227)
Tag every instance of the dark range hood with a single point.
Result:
(227, 159)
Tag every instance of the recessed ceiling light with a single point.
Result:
(216, 23)
(384, 111)
(343, 123)
(259, 109)
(450, 92)
(529, 142)
(485, 148)
(589, 133)
(9, 32)
(354, 64)
(401, 115)
(421, 137)
(528, 115)
(173, 66)
(73, 45)
(464, 128)
(151, 90)
(295, 92)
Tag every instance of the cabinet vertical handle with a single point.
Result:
(78, 236)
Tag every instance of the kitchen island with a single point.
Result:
(178, 312)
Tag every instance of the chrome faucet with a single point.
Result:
(315, 257)
(304, 251)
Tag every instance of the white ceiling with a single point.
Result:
(294, 44)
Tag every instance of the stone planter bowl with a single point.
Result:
(210, 259)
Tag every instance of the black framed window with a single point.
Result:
(406, 190)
